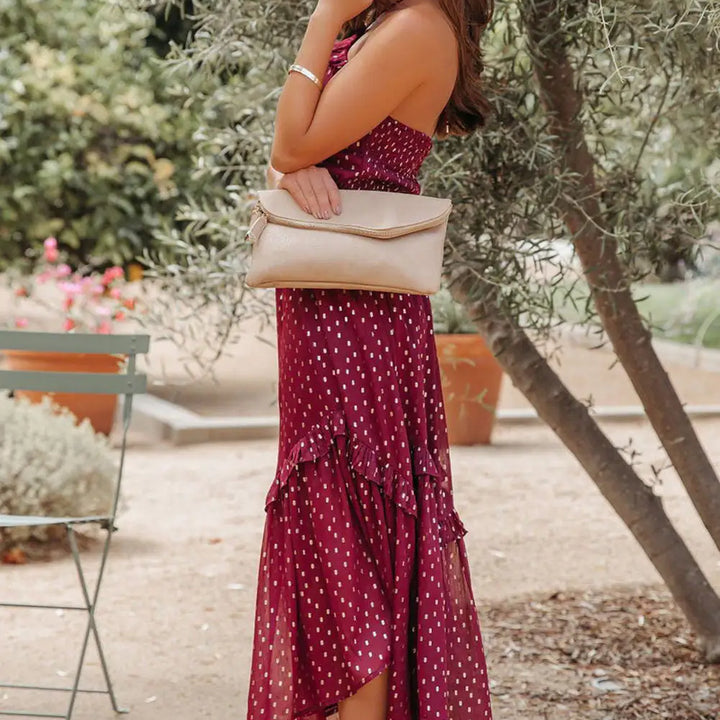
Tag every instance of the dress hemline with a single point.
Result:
(333, 706)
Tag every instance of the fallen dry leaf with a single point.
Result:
(14, 556)
(544, 653)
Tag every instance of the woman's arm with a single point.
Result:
(311, 126)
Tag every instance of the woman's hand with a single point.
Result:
(313, 189)
(343, 10)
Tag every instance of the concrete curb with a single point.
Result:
(165, 421)
(617, 413)
(700, 358)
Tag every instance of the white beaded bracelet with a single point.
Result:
(307, 73)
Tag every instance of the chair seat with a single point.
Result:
(8, 521)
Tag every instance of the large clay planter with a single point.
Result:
(99, 409)
(135, 272)
(471, 378)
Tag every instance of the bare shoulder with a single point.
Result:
(423, 30)
(419, 34)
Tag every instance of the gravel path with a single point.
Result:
(176, 609)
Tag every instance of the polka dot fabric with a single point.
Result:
(363, 565)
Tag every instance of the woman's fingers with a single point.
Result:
(327, 192)
(318, 203)
(324, 190)
(314, 190)
(333, 192)
(291, 183)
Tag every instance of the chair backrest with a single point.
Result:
(128, 382)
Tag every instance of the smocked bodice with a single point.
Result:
(388, 158)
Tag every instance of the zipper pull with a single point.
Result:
(258, 223)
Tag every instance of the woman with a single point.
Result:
(364, 603)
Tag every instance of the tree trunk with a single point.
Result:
(597, 251)
(636, 504)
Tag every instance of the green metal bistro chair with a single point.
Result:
(126, 384)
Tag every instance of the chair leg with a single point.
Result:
(91, 626)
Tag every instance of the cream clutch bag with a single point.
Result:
(385, 241)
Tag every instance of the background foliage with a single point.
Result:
(648, 97)
(95, 143)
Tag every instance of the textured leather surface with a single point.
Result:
(289, 257)
(411, 262)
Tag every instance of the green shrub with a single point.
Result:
(94, 139)
(50, 465)
(449, 316)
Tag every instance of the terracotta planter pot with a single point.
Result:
(471, 378)
(135, 272)
(99, 409)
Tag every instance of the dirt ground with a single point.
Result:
(177, 604)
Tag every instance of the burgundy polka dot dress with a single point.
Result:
(363, 566)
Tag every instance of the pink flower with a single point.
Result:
(113, 273)
(63, 270)
(51, 253)
(86, 299)
(70, 288)
(90, 286)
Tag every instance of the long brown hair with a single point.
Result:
(468, 108)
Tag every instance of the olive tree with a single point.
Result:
(588, 102)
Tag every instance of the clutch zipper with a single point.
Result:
(258, 215)
(352, 229)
